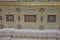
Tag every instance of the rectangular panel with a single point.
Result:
(30, 18)
(9, 17)
(30, 10)
(52, 39)
(27, 18)
(51, 18)
(33, 18)
(18, 18)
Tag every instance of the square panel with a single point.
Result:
(30, 18)
(51, 18)
(9, 17)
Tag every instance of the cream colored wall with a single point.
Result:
(30, 25)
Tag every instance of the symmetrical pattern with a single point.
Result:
(51, 18)
(9, 17)
(30, 18)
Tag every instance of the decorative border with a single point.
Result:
(42, 9)
(51, 18)
(52, 9)
(9, 17)
(18, 9)
(30, 18)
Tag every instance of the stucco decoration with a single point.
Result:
(52, 9)
(51, 18)
(30, 18)
(8, 10)
(18, 9)
(9, 18)
(30, 10)
(42, 9)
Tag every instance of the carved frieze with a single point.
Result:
(29, 10)
(8, 10)
(52, 9)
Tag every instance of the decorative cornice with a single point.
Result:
(27, 3)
